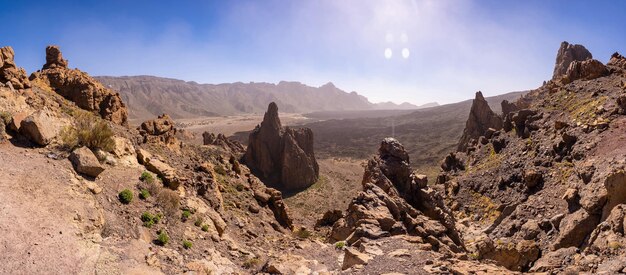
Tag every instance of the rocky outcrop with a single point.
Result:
(617, 60)
(585, 70)
(85, 162)
(395, 201)
(221, 140)
(480, 119)
(273, 199)
(160, 130)
(9, 72)
(567, 54)
(282, 157)
(80, 88)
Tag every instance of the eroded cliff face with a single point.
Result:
(80, 88)
(282, 156)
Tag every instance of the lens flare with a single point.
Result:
(388, 53)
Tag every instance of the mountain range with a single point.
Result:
(150, 96)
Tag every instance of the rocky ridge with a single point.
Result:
(79, 87)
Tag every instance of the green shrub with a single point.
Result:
(90, 131)
(144, 194)
(220, 170)
(146, 177)
(186, 214)
(198, 222)
(205, 227)
(126, 196)
(149, 220)
(162, 238)
(187, 244)
(340, 244)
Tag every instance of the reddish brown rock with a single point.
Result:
(567, 54)
(80, 88)
(282, 157)
(85, 162)
(585, 70)
(617, 60)
(9, 72)
(480, 119)
(160, 130)
(394, 201)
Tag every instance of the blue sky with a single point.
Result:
(454, 47)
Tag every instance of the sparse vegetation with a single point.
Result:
(126, 196)
(198, 222)
(144, 194)
(303, 233)
(340, 245)
(147, 177)
(149, 220)
(187, 244)
(251, 262)
(168, 200)
(220, 170)
(162, 238)
(6, 117)
(205, 227)
(186, 214)
(88, 130)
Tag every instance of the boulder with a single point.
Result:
(155, 165)
(585, 70)
(554, 260)
(40, 127)
(353, 257)
(282, 156)
(574, 228)
(480, 119)
(9, 72)
(617, 60)
(85, 162)
(80, 88)
(567, 54)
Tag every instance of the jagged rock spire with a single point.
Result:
(480, 119)
(567, 54)
(54, 58)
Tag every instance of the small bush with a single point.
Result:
(147, 177)
(186, 214)
(168, 200)
(90, 131)
(251, 262)
(187, 244)
(126, 196)
(303, 233)
(144, 194)
(220, 170)
(147, 219)
(5, 117)
(198, 222)
(162, 238)
(340, 245)
(205, 227)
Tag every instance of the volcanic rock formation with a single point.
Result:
(222, 141)
(79, 87)
(9, 72)
(567, 54)
(395, 201)
(282, 156)
(160, 129)
(480, 119)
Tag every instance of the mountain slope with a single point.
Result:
(149, 96)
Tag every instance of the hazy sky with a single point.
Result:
(452, 48)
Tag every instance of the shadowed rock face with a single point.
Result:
(9, 72)
(567, 54)
(480, 119)
(79, 87)
(395, 201)
(282, 156)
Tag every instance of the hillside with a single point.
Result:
(149, 96)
